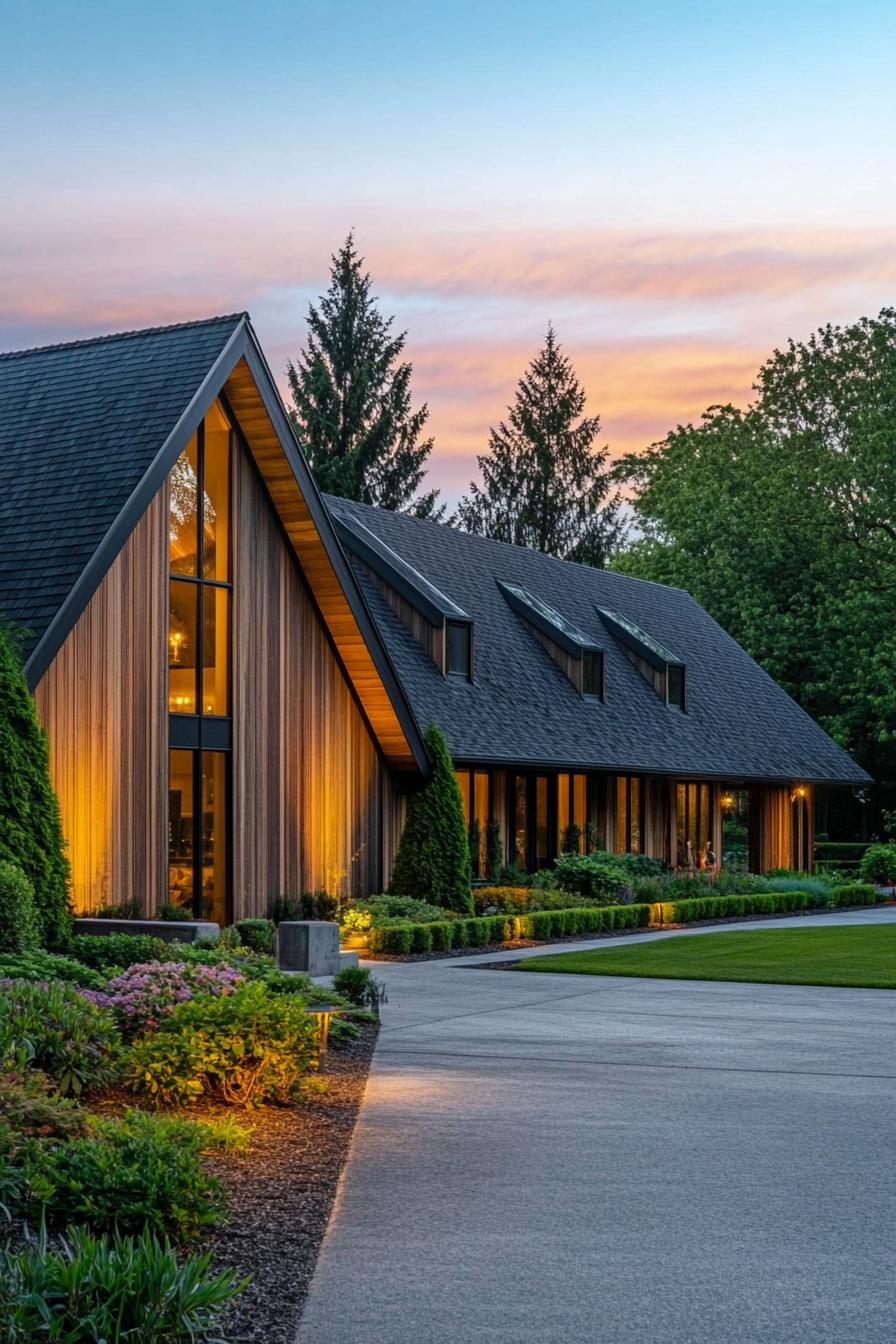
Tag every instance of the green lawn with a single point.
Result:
(861, 958)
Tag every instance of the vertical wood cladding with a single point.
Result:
(307, 779)
(103, 704)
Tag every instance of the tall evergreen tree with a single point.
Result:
(30, 828)
(544, 483)
(351, 401)
(433, 859)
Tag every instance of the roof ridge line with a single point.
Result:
(511, 545)
(123, 335)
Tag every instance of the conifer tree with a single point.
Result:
(30, 827)
(351, 400)
(544, 483)
(433, 859)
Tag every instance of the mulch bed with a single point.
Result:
(280, 1194)
(593, 937)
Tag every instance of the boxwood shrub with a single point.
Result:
(542, 925)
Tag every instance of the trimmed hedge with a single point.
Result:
(543, 925)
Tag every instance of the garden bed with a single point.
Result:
(280, 1194)
(519, 944)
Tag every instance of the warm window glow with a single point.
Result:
(199, 558)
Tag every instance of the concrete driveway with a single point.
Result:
(565, 1159)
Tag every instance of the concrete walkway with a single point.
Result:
(555, 1159)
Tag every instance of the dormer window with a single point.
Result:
(675, 684)
(593, 674)
(571, 649)
(661, 669)
(458, 649)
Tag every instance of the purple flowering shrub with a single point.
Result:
(148, 991)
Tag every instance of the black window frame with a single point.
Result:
(594, 656)
(202, 583)
(466, 674)
(681, 670)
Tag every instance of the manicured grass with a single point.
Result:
(861, 958)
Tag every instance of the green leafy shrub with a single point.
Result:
(394, 940)
(28, 1108)
(433, 859)
(878, 865)
(116, 949)
(30, 826)
(598, 877)
(511, 875)
(52, 1027)
(640, 865)
(353, 982)
(177, 914)
(856, 893)
(243, 1048)
(355, 921)
(19, 929)
(49, 966)
(138, 1171)
(121, 1290)
(122, 910)
(307, 905)
(258, 934)
(511, 899)
(404, 909)
(647, 889)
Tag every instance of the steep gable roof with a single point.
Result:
(521, 709)
(80, 425)
(88, 433)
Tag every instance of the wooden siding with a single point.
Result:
(570, 666)
(307, 778)
(323, 580)
(102, 703)
(431, 638)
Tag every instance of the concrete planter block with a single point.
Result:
(309, 945)
(169, 930)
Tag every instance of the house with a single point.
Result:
(571, 696)
(234, 673)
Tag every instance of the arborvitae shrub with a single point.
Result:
(30, 826)
(18, 918)
(433, 859)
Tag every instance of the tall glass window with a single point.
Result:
(474, 793)
(629, 815)
(572, 812)
(199, 618)
(199, 564)
(695, 809)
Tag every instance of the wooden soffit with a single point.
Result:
(248, 390)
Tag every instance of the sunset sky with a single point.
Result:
(678, 187)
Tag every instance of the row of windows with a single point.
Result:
(199, 629)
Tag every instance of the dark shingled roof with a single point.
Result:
(80, 424)
(522, 709)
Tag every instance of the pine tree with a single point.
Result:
(351, 401)
(544, 484)
(433, 859)
(30, 827)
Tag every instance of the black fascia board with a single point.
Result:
(407, 581)
(103, 557)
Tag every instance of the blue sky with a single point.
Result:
(679, 187)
